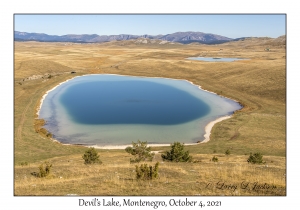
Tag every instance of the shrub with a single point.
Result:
(44, 170)
(49, 135)
(227, 152)
(129, 150)
(140, 151)
(91, 156)
(24, 163)
(215, 159)
(177, 153)
(256, 158)
(146, 172)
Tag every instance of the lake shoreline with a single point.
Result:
(208, 127)
(47, 92)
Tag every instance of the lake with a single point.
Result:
(116, 110)
(215, 59)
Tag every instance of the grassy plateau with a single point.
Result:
(258, 83)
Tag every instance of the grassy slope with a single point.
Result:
(116, 176)
(259, 84)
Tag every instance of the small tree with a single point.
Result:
(215, 159)
(140, 151)
(44, 170)
(146, 172)
(256, 158)
(91, 156)
(177, 153)
(227, 152)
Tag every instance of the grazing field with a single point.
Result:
(259, 84)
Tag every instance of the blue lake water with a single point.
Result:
(215, 59)
(116, 110)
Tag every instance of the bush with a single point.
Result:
(129, 150)
(24, 163)
(256, 158)
(227, 152)
(215, 159)
(177, 153)
(44, 171)
(146, 172)
(140, 151)
(91, 156)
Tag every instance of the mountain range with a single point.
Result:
(181, 37)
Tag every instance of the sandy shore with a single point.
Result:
(47, 92)
(208, 127)
(129, 145)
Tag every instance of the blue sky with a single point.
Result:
(232, 26)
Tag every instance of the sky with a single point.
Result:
(229, 25)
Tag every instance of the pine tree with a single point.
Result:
(91, 156)
(140, 151)
(177, 153)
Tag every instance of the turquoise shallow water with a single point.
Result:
(116, 110)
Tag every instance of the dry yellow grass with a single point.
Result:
(116, 176)
(259, 84)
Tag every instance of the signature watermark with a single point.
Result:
(244, 185)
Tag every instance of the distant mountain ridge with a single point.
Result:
(181, 37)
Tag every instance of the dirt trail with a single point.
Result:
(22, 120)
